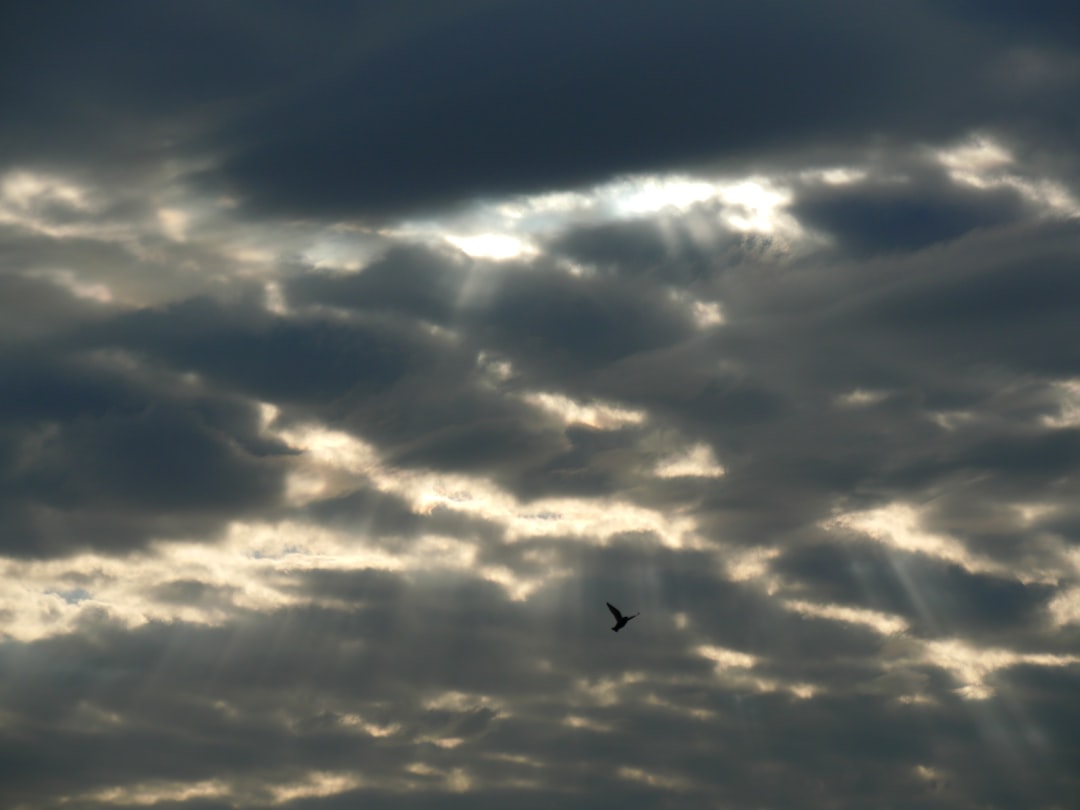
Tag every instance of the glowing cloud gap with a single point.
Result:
(1069, 395)
(972, 665)
(983, 163)
(330, 453)
(897, 525)
(492, 246)
(697, 461)
(735, 669)
(883, 623)
(598, 415)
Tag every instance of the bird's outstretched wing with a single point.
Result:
(614, 611)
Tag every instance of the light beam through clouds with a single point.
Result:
(349, 368)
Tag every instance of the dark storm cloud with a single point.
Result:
(664, 252)
(165, 72)
(99, 458)
(567, 325)
(100, 452)
(537, 314)
(415, 395)
(411, 280)
(526, 96)
(381, 107)
(905, 214)
(1039, 22)
(241, 345)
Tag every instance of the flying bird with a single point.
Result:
(620, 620)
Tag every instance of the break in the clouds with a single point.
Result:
(353, 356)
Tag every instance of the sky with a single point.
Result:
(354, 354)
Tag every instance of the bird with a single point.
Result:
(620, 620)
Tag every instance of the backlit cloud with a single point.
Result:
(352, 357)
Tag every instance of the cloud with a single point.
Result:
(905, 213)
(489, 111)
(351, 360)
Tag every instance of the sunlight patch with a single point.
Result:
(605, 691)
(656, 780)
(174, 223)
(934, 777)
(587, 723)
(975, 157)
(371, 729)
(275, 298)
(698, 461)
(1065, 608)
(519, 588)
(735, 670)
(1068, 392)
(860, 398)
(983, 163)
(496, 369)
(695, 713)
(897, 525)
(835, 176)
(649, 194)
(883, 623)
(319, 784)
(461, 702)
(341, 250)
(241, 574)
(595, 414)
(492, 246)
(951, 420)
(23, 189)
(331, 457)
(510, 228)
(147, 794)
(972, 665)
(707, 314)
(727, 659)
(757, 206)
(743, 565)
(27, 197)
(455, 780)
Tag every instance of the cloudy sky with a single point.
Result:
(353, 354)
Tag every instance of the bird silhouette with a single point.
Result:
(620, 620)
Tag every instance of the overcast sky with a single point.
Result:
(353, 354)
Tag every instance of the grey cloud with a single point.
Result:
(672, 250)
(906, 213)
(388, 521)
(98, 458)
(920, 361)
(376, 108)
(937, 598)
(459, 112)
(273, 358)
(535, 313)
(415, 281)
(32, 308)
(257, 670)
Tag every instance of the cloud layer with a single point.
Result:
(351, 359)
